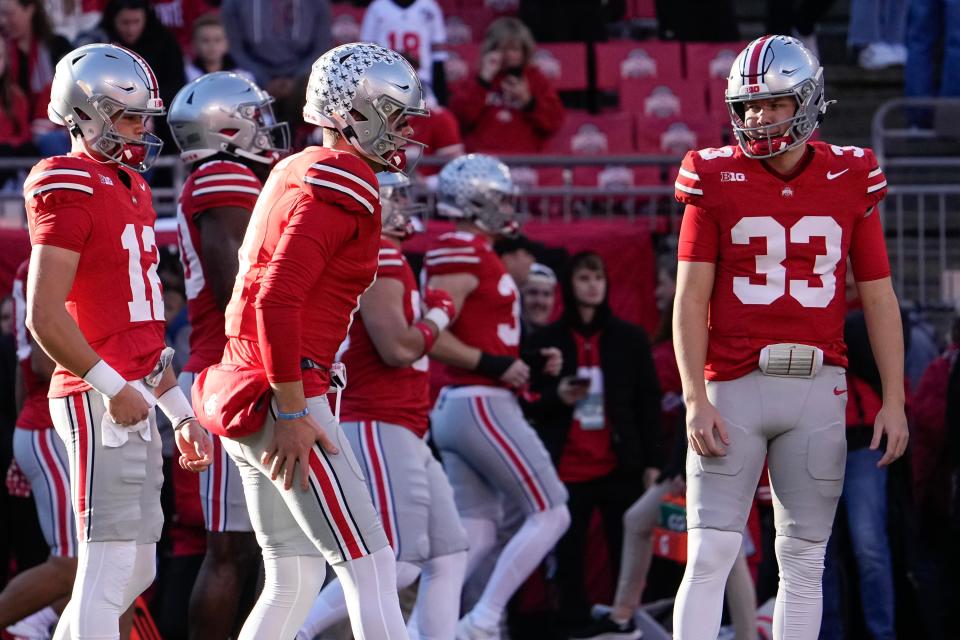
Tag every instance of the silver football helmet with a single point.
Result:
(225, 112)
(400, 210)
(366, 92)
(95, 85)
(478, 188)
(775, 67)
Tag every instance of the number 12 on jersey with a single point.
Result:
(770, 264)
(142, 309)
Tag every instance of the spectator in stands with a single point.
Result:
(439, 131)
(211, 49)
(864, 499)
(932, 26)
(70, 18)
(278, 41)
(606, 393)
(134, 25)
(538, 297)
(876, 31)
(178, 16)
(33, 51)
(15, 136)
(797, 19)
(509, 106)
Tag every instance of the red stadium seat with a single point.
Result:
(459, 32)
(338, 9)
(711, 60)
(345, 27)
(585, 134)
(616, 60)
(477, 18)
(564, 64)
(663, 98)
(616, 176)
(462, 60)
(676, 135)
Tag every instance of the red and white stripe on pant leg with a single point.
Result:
(58, 484)
(510, 453)
(81, 432)
(379, 480)
(333, 504)
(216, 490)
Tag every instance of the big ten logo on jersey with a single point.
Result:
(732, 176)
(770, 264)
(713, 154)
(404, 42)
(142, 269)
(509, 332)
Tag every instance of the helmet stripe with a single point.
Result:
(755, 58)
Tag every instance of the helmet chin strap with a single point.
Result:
(769, 145)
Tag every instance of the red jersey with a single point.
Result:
(780, 244)
(439, 131)
(35, 413)
(105, 213)
(220, 183)
(310, 251)
(377, 391)
(490, 317)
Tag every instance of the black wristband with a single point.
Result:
(493, 366)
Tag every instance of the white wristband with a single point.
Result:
(105, 379)
(438, 317)
(175, 406)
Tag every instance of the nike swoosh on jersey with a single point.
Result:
(831, 175)
(838, 391)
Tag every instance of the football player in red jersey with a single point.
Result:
(490, 453)
(386, 425)
(95, 307)
(40, 454)
(225, 129)
(768, 227)
(310, 250)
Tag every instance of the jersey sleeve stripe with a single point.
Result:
(61, 185)
(56, 172)
(388, 252)
(465, 259)
(690, 175)
(390, 263)
(341, 189)
(876, 172)
(226, 187)
(686, 189)
(349, 176)
(450, 251)
(225, 176)
(876, 187)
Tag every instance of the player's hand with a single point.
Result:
(490, 65)
(553, 361)
(193, 442)
(291, 445)
(440, 299)
(650, 476)
(128, 407)
(892, 422)
(570, 393)
(706, 430)
(517, 374)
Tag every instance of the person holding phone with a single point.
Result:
(603, 437)
(509, 106)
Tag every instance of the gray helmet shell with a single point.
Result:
(775, 67)
(478, 187)
(400, 210)
(223, 112)
(364, 91)
(95, 85)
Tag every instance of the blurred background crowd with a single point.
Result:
(591, 102)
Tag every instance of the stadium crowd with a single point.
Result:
(602, 529)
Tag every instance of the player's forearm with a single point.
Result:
(289, 396)
(884, 326)
(448, 349)
(690, 344)
(57, 333)
(406, 348)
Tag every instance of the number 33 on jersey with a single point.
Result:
(780, 245)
